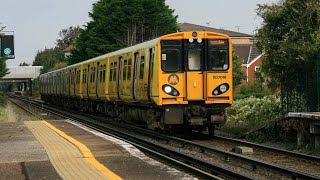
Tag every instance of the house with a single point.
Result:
(243, 46)
(67, 50)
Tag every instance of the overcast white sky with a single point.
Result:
(36, 23)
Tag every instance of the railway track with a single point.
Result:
(198, 157)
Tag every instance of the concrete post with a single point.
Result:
(317, 142)
(30, 84)
(300, 139)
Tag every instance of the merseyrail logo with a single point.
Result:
(173, 79)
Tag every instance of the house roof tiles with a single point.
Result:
(194, 27)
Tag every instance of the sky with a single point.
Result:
(37, 23)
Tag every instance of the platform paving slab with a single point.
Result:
(21, 154)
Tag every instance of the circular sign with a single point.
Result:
(7, 51)
(173, 79)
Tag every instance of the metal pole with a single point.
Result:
(31, 89)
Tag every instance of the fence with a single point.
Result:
(304, 94)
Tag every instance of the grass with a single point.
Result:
(7, 114)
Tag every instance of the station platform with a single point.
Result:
(62, 149)
(301, 121)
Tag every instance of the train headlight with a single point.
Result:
(222, 88)
(170, 90)
(167, 89)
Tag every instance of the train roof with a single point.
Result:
(121, 51)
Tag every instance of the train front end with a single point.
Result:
(195, 79)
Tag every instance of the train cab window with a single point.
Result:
(141, 67)
(171, 55)
(129, 69)
(124, 75)
(114, 71)
(111, 69)
(218, 56)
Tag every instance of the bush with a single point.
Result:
(250, 113)
(255, 89)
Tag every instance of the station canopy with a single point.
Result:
(21, 73)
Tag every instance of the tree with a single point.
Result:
(48, 58)
(289, 37)
(59, 65)
(2, 27)
(68, 37)
(3, 68)
(3, 65)
(237, 74)
(116, 24)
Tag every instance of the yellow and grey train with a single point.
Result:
(181, 80)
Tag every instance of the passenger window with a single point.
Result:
(125, 64)
(104, 73)
(129, 69)
(83, 76)
(111, 69)
(141, 67)
(115, 71)
(90, 75)
(94, 74)
(100, 74)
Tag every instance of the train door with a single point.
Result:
(69, 83)
(120, 79)
(135, 77)
(87, 80)
(195, 75)
(97, 79)
(75, 75)
(142, 85)
(150, 72)
(124, 91)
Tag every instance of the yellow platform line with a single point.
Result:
(86, 153)
(66, 157)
